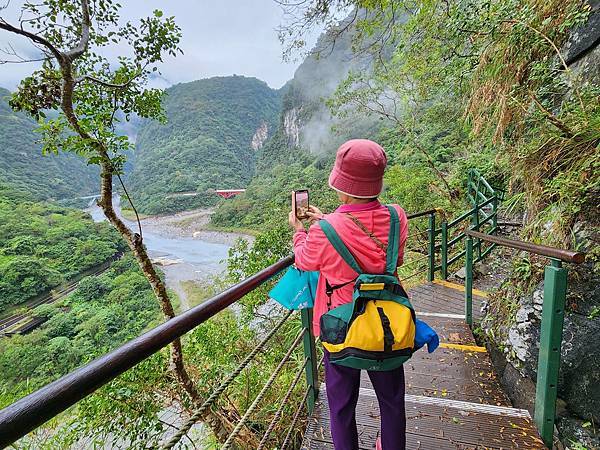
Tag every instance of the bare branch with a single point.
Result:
(4, 25)
(21, 61)
(105, 83)
(10, 51)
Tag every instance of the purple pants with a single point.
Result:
(343, 384)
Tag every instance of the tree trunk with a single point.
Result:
(219, 423)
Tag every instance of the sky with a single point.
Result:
(220, 37)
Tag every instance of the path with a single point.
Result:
(454, 399)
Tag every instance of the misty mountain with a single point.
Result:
(22, 165)
(306, 123)
(302, 149)
(214, 129)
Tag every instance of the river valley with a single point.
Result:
(179, 243)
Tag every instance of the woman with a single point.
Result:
(363, 224)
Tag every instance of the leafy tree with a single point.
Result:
(88, 91)
(92, 288)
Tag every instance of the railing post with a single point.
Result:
(312, 375)
(469, 281)
(475, 226)
(431, 269)
(444, 246)
(553, 313)
(495, 213)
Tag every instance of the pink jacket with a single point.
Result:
(314, 252)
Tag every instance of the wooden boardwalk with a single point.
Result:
(453, 397)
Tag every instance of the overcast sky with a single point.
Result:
(220, 37)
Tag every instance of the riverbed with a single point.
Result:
(182, 246)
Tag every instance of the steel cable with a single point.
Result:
(279, 412)
(414, 275)
(211, 399)
(295, 419)
(299, 410)
(261, 394)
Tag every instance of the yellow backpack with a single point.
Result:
(376, 330)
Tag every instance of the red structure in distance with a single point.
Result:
(228, 193)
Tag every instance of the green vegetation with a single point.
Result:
(205, 144)
(22, 165)
(197, 292)
(43, 245)
(104, 312)
(476, 84)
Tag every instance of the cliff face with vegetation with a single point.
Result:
(23, 166)
(514, 313)
(209, 141)
(301, 149)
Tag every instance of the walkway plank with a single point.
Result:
(454, 399)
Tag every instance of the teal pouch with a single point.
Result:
(296, 289)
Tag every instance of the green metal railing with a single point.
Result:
(477, 228)
(553, 311)
(483, 216)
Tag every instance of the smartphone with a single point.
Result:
(300, 203)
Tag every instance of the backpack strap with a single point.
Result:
(393, 240)
(329, 289)
(334, 238)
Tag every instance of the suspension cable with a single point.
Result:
(299, 409)
(261, 394)
(279, 412)
(217, 392)
(295, 419)
(414, 275)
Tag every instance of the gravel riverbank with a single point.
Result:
(191, 224)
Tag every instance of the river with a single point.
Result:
(179, 245)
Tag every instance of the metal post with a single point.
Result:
(495, 213)
(431, 269)
(469, 282)
(444, 250)
(553, 313)
(312, 376)
(475, 225)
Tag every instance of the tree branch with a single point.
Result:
(4, 25)
(86, 24)
(105, 83)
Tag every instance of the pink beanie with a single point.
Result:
(358, 169)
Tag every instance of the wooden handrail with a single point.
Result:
(543, 250)
(30, 412)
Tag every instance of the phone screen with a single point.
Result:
(301, 200)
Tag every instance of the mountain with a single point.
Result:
(22, 165)
(210, 141)
(302, 148)
(306, 123)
